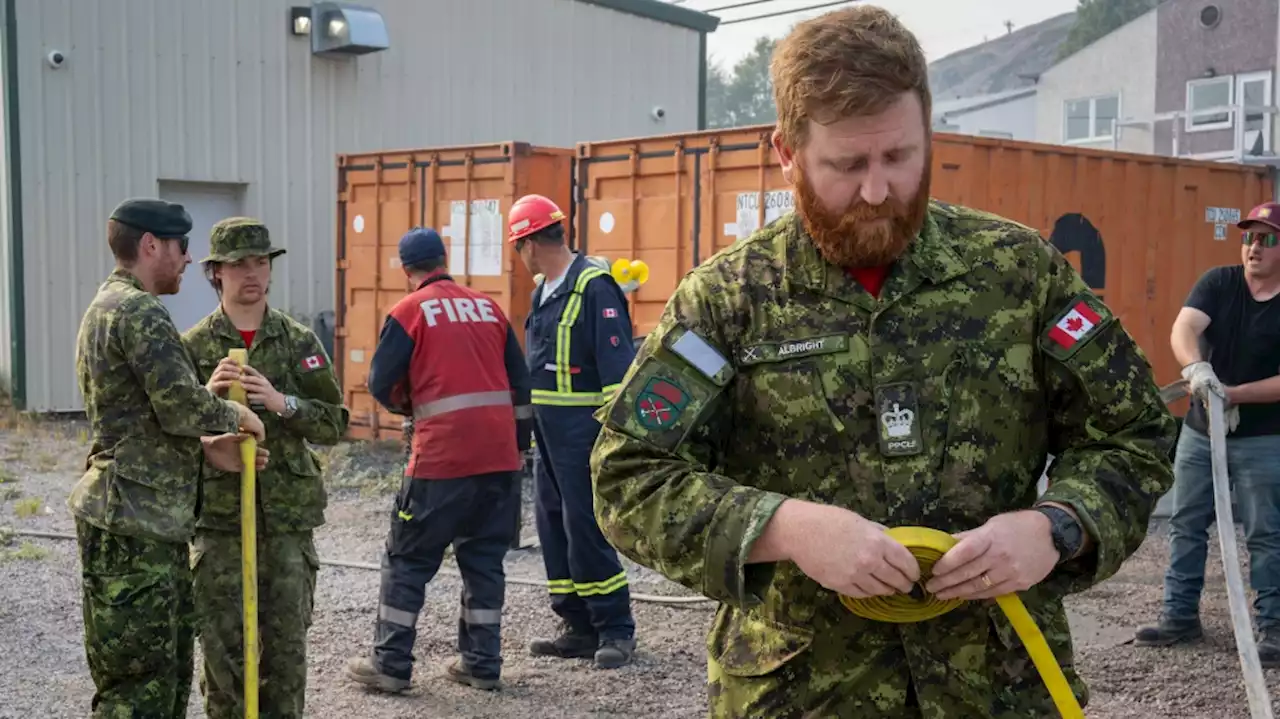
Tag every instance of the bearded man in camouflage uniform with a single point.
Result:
(289, 379)
(135, 506)
(879, 359)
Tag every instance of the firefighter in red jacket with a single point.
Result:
(448, 357)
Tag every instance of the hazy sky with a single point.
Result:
(943, 26)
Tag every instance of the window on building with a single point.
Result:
(1253, 90)
(1205, 95)
(1091, 119)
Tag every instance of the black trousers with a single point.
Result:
(474, 515)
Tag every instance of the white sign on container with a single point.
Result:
(485, 257)
(776, 204)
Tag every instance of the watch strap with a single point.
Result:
(1061, 522)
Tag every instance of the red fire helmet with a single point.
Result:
(530, 214)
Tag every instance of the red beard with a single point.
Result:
(864, 235)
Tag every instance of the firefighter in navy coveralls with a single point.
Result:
(579, 345)
(448, 358)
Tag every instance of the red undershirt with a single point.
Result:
(871, 278)
(247, 336)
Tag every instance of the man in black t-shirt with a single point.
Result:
(1233, 312)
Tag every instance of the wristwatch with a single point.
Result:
(290, 406)
(1068, 535)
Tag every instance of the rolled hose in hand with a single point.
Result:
(928, 546)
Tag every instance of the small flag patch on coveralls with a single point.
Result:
(314, 362)
(1075, 325)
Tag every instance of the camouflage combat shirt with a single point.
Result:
(291, 494)
(772, 374)
(147, 410)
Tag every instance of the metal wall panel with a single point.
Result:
(218, 91)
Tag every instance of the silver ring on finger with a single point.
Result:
(986, 581)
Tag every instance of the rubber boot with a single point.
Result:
(1169, 632)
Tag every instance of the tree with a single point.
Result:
(1097, 18)
(743, 96)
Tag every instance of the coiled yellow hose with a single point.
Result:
(928, 546)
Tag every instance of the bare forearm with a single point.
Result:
(1264, 391)
(775, 542)
(1185, 344)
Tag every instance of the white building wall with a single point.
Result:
(1016, 117)
(163, 91)
(1123, 62)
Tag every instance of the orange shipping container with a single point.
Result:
(382, 195)
(1139, 228)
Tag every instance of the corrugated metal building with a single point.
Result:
(220, 105)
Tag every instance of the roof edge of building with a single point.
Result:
(662, 12)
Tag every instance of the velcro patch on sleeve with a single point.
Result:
(662, 402)
(1075, 326)
(792, 349)
(701, 356)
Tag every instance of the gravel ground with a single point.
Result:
(42, 670)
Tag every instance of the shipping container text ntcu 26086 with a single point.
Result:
(1140, 229)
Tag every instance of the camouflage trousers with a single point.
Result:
(139, 624)
(287, 565)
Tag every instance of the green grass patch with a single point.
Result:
(28, 507)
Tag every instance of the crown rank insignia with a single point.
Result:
(897, 423)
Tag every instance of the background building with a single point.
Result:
(1086, 99)
(223, 106)
(1010, 115)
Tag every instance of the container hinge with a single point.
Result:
(339, 331)
(344, 264)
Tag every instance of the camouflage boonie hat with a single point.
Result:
(236, 238)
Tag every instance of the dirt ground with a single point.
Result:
(43, 674)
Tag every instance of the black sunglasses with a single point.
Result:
(184, 242)
(1268, 239)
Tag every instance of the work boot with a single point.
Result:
(460, 674)
(1169, 632)
(572, 644)
(614, 653)
(1269, 647)
(362, 671)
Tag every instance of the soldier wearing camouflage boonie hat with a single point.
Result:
(289, 382)
(236, 238)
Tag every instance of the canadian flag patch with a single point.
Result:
(610, 313)
(1076, 325)
(313, 363)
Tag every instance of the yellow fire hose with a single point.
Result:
(248, 548)
(928, 546)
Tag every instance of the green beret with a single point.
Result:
(236, 238)
(165, 220)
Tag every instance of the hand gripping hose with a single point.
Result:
(248, 548)
(928, 546)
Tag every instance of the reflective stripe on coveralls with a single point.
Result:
(564, 396)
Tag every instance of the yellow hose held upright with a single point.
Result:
(248, 548)
(928, 546)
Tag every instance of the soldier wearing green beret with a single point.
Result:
(874, 360)
(289, 379)
(135, 505)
